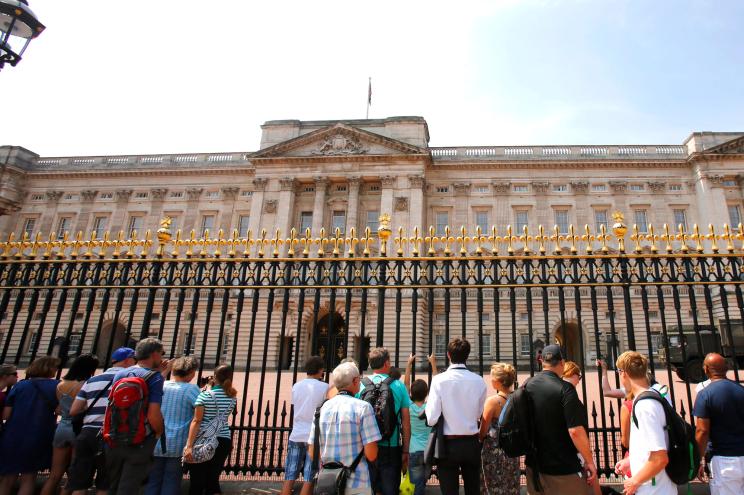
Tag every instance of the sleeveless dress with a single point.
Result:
(64, 435)
(500, 473)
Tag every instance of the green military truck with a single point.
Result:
(689, 367)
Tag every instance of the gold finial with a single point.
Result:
(588, 238)
(713, 238)
(292, 242)
(619, 229)
(400, 241)
(384, 231)
(351, 242)
(366, 240)
(415, 242)
(463, 239)
(164, 235)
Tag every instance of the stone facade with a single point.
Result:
(344, 174)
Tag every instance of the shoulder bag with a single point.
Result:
(206, 442)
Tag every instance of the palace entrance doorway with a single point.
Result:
(568, 337)
(329, 340)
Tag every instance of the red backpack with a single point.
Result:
(126, 413)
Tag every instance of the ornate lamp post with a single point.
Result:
(18, 26)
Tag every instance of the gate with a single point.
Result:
(266, 303)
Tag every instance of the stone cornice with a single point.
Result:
(75, 174)
(288, 160)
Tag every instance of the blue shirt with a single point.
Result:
(178, 411)
(226, 405)
(154, 384)
(419, 429)
(402, 401)
(722, 402)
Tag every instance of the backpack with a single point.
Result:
(380, 397)
(126, 413)
(683, 453)
(515, 432)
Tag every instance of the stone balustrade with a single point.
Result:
(140, 161)
(658, 152)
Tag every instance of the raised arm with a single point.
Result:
(433, 362)
(613, 393)
(407, 376)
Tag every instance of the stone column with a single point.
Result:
(583, 215)
(229, 194)
(386, 198)
(193, 194)
(659, 213)
(501, 212)
(285, 210)
(257, 199)
(619, 190)
(711, 200)
(87, 196)
(352, 208)
(47, 218)
(462, 207)
(416, 206)
(544, 215)
(321, 184)
(157, 198)
(119, 217)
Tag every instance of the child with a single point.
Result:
(418, 390)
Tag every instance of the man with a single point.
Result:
(458, 395)
(719, 409)
(559, 421)
(179, 396)
(307, 396)
(621, 393)
(391, 458)
(92, 400)
(347, 427)
(649, 441)
(128, 466)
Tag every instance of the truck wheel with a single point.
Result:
(694, 371)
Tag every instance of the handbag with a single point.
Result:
(206, 442)
(331, 478)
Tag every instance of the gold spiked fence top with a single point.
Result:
(414, 243)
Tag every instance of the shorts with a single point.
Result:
(298, 460)
(88, 460)
(64, 435)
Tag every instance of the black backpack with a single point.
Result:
(515, 432)
(380, 397)
(683, 453)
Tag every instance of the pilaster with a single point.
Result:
(352, 209)
(229, 195)
(157, 199)
(386, 198)
(193, 195)
(416, 205)
(257, 199)
(285, 210)
(86, 205)
(52, 202)
(321, 185)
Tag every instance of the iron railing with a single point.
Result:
(263, 304)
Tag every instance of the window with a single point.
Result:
(561, 220)
(675, 187)
(225, 344)
(28, 226)
(486, 344)
(560, 188)
(106, 195)
(71, 197)
(213, 194)
(246, 194)
(610, 314)
(306, 221)
(734, 215)
(373, 220)
(481, 189)
(641, 220)
(441, 317)
(176, 194)
(442, 221)
(189, 344)
(141, 195)
(653, 315)
(656, 342)
(308, 189)
(37, 197)
(63, 226)
(440, 344)
(207, 224)
(442, 189)
(520, 220)
(74, 344)
(636, 187)
(32, 341)
(135, 225)
(521, 189)
(374, 188)
(729, 183)
(341, 188)
(524, 344)
(243, 225)
(524, 316)
(481, 220)
(600, 219)
(338, 221)
(599, 187)
(680, 218)
(99, 226)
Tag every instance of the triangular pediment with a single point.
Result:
(732, 147)
(337, 141)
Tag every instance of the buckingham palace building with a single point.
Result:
(340, 175)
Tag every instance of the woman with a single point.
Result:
(30, 417)
(572, 374)
(82, 368)
(500, 473)
(205, 476)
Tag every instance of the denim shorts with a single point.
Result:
(298, 461)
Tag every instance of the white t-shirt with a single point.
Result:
(649, 436)
(307, 396)
(700, 386)
(663, 390)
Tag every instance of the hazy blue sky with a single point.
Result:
(140, 76)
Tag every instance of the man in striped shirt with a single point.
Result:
(92, 400)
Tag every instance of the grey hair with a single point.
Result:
(184, 365)
(146, 347)
(344, 375)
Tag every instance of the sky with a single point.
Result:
(181, 76)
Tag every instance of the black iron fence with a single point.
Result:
(265, 304)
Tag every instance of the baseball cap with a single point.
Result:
(552, 353)
(121, 354)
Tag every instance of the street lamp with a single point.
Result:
(18, 26)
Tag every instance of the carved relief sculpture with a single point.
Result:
(270, 205)
(340, 144)
(401, 203)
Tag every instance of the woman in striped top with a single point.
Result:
(205, 476)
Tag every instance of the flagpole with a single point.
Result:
(369, 96)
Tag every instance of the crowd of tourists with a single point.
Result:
(142, 424)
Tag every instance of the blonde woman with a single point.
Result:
(500, 473)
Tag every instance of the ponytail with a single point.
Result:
(228, 388)
(223, 377)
